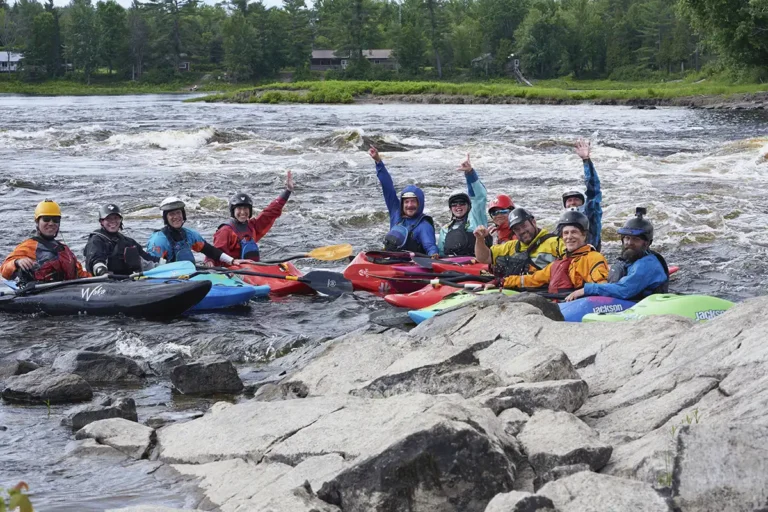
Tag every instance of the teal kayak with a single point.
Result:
(227, 292)
(695, 307)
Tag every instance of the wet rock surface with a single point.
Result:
(205, 376)
(46, 386)
(97, 367)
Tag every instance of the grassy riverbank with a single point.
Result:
(103, 86)
(563, 91)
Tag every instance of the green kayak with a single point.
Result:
(695, 307)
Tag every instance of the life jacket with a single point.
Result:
(520, 262)
(181, 250)
(560, 278)
(124, 258)
(249, 249)
(61, 265)
(400, 237)
(619, 270)
(459, 241)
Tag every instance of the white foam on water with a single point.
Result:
(166, 139)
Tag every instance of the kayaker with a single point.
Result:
(533, 250)
(409, 228)
(639, 271)
(108, 250)
(499, 214)
(176, 243)
(42, 257)
(238, 236)
(580, 264)
(589, 205)
(467, 213)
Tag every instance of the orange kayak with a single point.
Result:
(276, 286)
(464, 268)
(364, 267)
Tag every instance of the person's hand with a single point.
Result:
(481, 232)
(374, 154)
(489, 286)
(25, 264)
(492, 229)
(465, 166)
(583, 148)
(435, 256)
(208, 264)
(243, 262)
(575, 295)
(289, 181)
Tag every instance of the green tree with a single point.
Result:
(39, 54)
(298, 36)
(113, 33)
(467, 42)
(540, 40)
(138, 38)
(410, 44)
(9, 33)
(241, 48)
(82, 37)
(350, 25)
(500, 19)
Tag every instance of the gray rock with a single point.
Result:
(146, 508)
(557, 395)
(290, 390)
(46, 384)
(100, 368)
(168, 417)
(593, 492)
(90, 448)
(208, 375)
(80, 416)
(554, 439)
(516, 501)
(558, 473)
(440, 451)
(162, 364)
(513, 420)
(721, 467)
(129, 437)
(548, 308)
(539, 364)
(15, 367)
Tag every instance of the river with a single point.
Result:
(702, 174)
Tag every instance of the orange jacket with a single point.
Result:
(586, 266)
(56, 261)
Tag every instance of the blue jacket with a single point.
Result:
(160, 246)
(423, 230)
(643, 276)
(478, 196)
(592, 208)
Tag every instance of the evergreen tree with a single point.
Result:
(113, 33)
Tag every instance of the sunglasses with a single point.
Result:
(495, 213)
(55, 220)
(459, 203)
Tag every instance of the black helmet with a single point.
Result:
(518, 216)
(574, 193)
(572, 217)
(638, 226)
(108, 209)
(240, 199)
(459, 197)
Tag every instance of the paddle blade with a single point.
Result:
(331, 252)
(423, 262)
(171, 270)
(329, 283)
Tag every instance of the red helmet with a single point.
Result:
(502, 202)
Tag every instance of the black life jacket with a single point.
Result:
(619, 270)
(459, 241)
(520, 262)
(59, 265)
(400, 237)
(124, 256)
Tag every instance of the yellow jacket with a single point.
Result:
(545, 248)
(585, 265)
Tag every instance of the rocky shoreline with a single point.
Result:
(494, 406)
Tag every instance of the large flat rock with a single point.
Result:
(556, 395)
(96, 367)
(46, 385)
(129, 437)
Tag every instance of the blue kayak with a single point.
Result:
(572, 311)
(226, 291)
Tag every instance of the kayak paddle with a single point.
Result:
(34, 287)
(328, 283)
(328, 253)
(426, 262)
(169, 270)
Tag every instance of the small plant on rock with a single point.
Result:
(665, 480)
(16, 499)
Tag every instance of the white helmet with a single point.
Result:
(172, 203)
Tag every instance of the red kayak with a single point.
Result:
(379, 263)
(425, 297)
(276, 286)
(463, 268)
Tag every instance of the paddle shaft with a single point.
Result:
(330, 283)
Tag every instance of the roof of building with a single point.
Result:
(343, 54)
(15, 57)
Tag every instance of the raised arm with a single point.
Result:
(387, 188)
(593, 208)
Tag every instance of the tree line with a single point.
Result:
(620, 39)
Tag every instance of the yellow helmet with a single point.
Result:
(47, 208)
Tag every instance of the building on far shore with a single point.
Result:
(9, 64)
(323, 60)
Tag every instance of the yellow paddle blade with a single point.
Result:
(331, 252)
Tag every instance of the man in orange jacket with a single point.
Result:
(580, 264)
(42, 257)
(238, 237)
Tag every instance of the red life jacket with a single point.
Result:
(559, 276)
(247, 246)
(59, 263)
